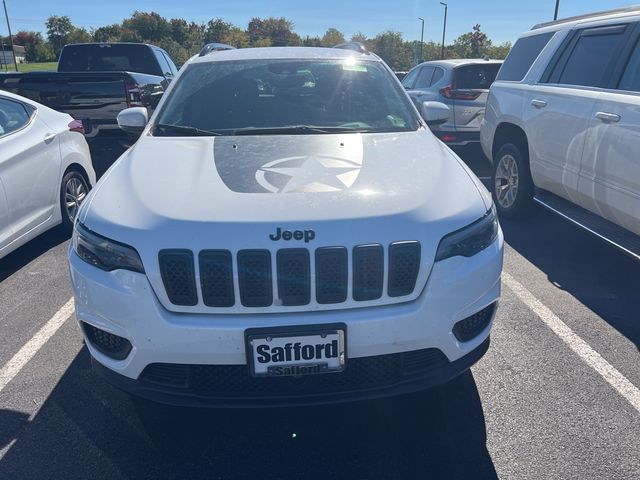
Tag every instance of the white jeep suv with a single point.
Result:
(562, 124)
(286, 230)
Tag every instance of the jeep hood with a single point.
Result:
(234, 192)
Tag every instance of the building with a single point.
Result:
(7, 58)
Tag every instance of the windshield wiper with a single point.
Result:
(293, 130)
(165, 128)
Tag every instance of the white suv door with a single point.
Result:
(610, 174)
(559, 108)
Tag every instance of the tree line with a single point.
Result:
(182, 39)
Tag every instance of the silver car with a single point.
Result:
(462, 85)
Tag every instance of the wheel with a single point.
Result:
(73, 191)
(512, 184)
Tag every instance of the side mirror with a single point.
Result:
(434, 113)
(133, 120)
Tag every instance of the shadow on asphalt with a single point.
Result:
(86, 429)
(598, 275)
(12, 423)
(30, 251)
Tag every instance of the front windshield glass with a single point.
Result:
(283, 96)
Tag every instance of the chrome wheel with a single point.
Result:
(506, 181)
(75, 192)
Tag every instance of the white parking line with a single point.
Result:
(592, 358)
(27, 352)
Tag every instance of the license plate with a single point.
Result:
(307, 350)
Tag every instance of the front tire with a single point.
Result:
(513, 187)
(73, 190)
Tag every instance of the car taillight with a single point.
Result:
(450, 92)
(76, 126)
(134, 95)
(448, 138)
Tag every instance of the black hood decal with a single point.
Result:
(288, 163)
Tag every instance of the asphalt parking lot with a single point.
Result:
(555, 397)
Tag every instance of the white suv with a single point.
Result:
(286, 230)
(562, 124)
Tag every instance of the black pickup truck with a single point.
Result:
(95, 81)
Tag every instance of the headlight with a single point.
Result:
(104, 253)
(471, 239)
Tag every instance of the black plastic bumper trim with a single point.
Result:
(173, 397)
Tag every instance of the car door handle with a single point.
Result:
(608, 117)
(538, 103)
(49, 137)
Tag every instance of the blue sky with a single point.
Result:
(502, 20)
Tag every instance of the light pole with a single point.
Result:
(4, 2)
(555, 15)
(421, 38)
(444, 29)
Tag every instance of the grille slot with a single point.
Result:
(404, 264)
(368, 272)
(177, 271)
(293, 276)
(216, 278)
(254, 277)
(331, 275)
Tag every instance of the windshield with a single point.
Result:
(283, 96)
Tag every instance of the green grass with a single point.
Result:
(32, 67)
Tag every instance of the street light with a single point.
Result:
(421, 38)
(10, 36)
(444, 29)
(555, 15)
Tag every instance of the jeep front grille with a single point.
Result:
(251, 275)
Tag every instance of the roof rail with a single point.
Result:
(355, 46)
(214, 47)
(587, 16)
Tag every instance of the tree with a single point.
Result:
(470, 45)
(311, 41)
(79, 35)
(36, 49)
(332, 37)
(236, 37)
(499, 51)
(278, 30)
(216, 30)
(58, 31)
(359, 37)
(108, 33)
(393, 49)
(149, 26)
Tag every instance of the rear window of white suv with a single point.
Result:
(521, 57)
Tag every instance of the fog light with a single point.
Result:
(107, 343)
(471, 327)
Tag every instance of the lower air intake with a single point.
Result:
(107, 343)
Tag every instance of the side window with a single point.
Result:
(13, 116)
(438, 73)
(521, 57)
(589, 57)
(424, 79)
(164, 65)
(410, 79)
(172, 66)
(630, 80)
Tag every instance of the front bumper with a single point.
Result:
(123, 303)
(367, 383)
